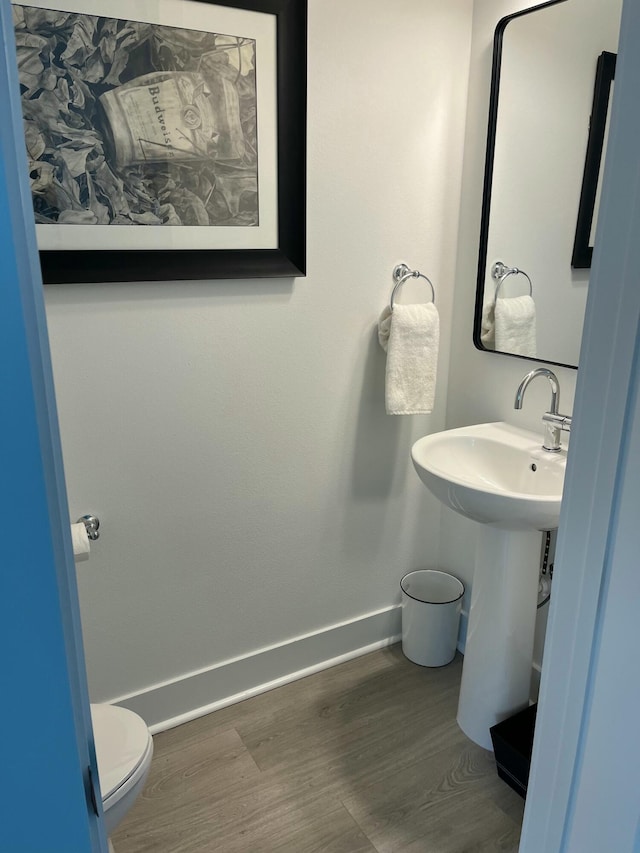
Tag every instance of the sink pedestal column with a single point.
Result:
(496, 674)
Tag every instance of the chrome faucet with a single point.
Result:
(554, 422)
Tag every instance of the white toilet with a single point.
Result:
(124, 748)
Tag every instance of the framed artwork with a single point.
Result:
(165, 140)
(596, 146)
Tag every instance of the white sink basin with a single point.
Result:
(495, 474)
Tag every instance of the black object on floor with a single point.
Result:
(512, 744)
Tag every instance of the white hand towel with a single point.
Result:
(384, 327)
(516, 325)
(80, 542)
(488, 325)
(410, 335)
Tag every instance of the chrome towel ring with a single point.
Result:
(500, 271)
(92, 524)
(400, 274)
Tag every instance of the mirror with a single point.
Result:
(545, 61)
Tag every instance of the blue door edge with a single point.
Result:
(27, 278)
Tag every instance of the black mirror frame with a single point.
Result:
(605, 75)
(488, 179)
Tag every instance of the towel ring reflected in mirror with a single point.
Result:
(402, 273)
(500, 271)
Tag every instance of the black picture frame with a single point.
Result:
(605, 75)
(288, 259)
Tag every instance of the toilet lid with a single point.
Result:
(122, 739)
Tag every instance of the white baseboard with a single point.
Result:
(195, 694)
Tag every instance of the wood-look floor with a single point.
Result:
(366, 756)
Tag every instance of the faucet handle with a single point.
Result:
(562, 422)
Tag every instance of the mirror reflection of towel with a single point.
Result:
(488, 325)
(516, 325)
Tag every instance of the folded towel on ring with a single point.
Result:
(488, 325)
(515, 325)
(410, 335)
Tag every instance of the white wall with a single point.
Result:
(231, 436)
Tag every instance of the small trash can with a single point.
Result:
(431, 605)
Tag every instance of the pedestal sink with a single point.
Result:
(499, 476)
